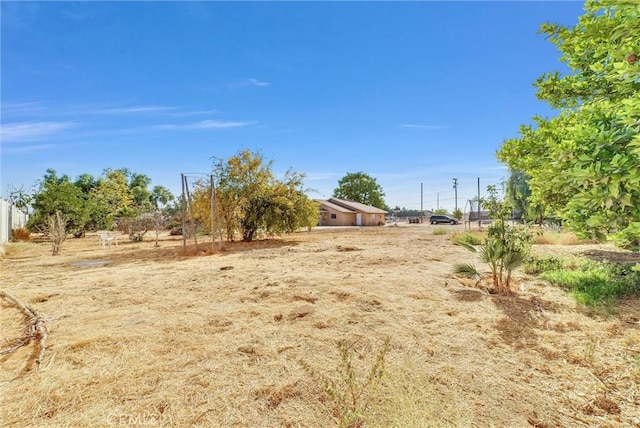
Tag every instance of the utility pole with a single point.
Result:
(421, 199)
(455, 188)
(438, 200)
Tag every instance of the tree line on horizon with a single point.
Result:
(249, 201)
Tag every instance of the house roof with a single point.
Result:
(333, 206)
(344, 205)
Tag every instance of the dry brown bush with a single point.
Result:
(557, 238)
(20, 234)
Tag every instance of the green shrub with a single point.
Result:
(468, 238)
(536, 265)
(440, 231)
(597, 283)
(629, 237)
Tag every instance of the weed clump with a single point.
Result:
(349, 395)
(537, 265)
(20, 234)
(468, 238)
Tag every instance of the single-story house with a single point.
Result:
(341, 212)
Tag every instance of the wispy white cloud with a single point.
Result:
(24, 108)
(313, 176)
(205, 124)
(247, 83)
(415, 126)
(194, 112)
(130, 110)
(24, 149)
(41, 109)
(20, 15)
(31, 131)
(255, 82)
(75, 16)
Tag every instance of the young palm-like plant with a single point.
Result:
(469, 270)
(505, 247)
(500, 258)
(491, 253)
(512, 260)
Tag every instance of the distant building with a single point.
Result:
(341, 212)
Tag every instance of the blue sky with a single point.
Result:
(409, 92)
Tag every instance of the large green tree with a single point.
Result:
(360, 187)
(140, 193)
(518, 194)
(113, 190)
(584, 164)
(92, 204)
(252, 200)
(98, 212)
(161, 196)
(58, 195)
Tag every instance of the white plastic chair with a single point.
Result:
(106, 238)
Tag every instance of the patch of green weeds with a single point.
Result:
(596, 283)
(537, 265)
(467, 238)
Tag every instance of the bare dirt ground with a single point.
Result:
(146, 336)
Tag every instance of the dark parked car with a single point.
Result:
(436, 219)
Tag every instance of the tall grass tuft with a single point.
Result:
(550, 237)
(349, 395)
(440, 231)
(467, 237)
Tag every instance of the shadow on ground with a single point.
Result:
(127, 252)
(612, 256)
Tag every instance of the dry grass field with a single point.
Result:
(152, 336)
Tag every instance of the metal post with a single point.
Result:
(421, 199)
(213, 207)
(479, 222)
(184, 215)
(193, 219)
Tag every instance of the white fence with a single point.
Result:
(11, 217)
